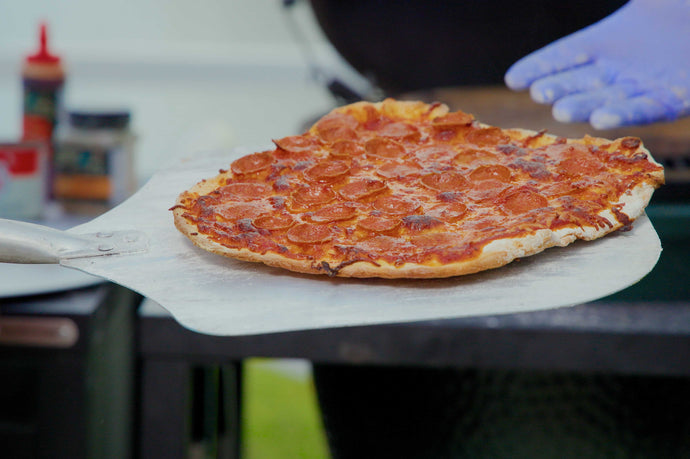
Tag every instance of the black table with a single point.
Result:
(616, 338)
(67, 374)
(430, 389)
(639, 338)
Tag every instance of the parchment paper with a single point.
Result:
(216, 295)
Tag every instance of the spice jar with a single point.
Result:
(93, 164)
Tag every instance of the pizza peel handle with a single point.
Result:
(22, 242)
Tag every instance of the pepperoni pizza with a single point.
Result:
(401, 189)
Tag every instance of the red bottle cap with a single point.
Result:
(43, 56)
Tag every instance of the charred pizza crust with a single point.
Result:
(621, 205)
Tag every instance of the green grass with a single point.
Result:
(281, 418)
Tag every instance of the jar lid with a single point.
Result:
(99, 120)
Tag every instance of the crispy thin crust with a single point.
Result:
(495, 254)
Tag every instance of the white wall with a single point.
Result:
(198, 75)
(101, 29)
(237, 21)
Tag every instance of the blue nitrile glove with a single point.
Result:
(633, 67)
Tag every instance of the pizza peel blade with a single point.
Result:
(221, 296)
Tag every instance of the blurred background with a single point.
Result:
(195, 75)
(219, 73)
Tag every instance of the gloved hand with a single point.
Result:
(633, 67)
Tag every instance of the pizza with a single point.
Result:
(405, 189)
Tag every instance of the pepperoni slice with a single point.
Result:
(252, 163)
(245, 191)
(399, 131)
(435, 153)
(449, 133)
(337, 126)
(346, 149)
(485, 189)
(449, 213)
(384, 148)
(297, 143)
(338, 133)
(564, 188)
(334, 213)
(444, 181)
(236, 210)
(394, 205)
(327, 171)
(487, 136)
(453, 119)
(580, 165)
(313, 195)
(491, 172)
(338, 119)
(306, 233)
(397, 170)
(468, 156)
(523, 201)
(273, 222)
(363, 188)
(420, 222)
(378, 224)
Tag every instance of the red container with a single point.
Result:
(23, 184)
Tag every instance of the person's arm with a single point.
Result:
(633, 67)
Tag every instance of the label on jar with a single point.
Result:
(23, 176)
(41, 104)
(88, 172)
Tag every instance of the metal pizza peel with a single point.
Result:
(136, 245)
